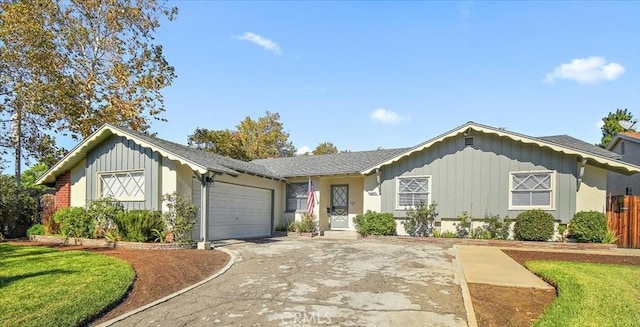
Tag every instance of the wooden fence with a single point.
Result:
(623, 217)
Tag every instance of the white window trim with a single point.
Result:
(397, 197)
(550, 207)
(128, 199)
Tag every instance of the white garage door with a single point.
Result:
(239, 212)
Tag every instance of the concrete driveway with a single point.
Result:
(287, 282)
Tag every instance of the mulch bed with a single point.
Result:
(510, 306)
(158, 272)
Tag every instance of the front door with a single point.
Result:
(339, 206)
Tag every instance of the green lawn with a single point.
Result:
(40, 286)
(590, 294)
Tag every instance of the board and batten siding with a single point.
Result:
(476, 178)
(120, 154)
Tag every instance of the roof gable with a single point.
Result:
(560, 143)
(628, 136)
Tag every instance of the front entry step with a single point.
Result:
(340, 234)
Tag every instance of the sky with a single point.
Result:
(364, 75)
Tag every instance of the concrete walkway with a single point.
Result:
(489, 265)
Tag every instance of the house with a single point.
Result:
(627, 145)
(475, 168)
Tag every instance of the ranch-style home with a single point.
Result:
(475, 168)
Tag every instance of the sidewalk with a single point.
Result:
(489, 265)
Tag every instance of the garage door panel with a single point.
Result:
(239, 212)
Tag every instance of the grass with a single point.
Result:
(590, 294)
(40, 286)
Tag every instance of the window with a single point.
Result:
(297, 197)
(412, 190)
(122, 186)
(532, 190)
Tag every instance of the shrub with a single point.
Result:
(306, 225)
(283, 225)
(481, 233)
(37, 229)
(74, 222)
(420, 219)
(103, 212)
(498, 228)
(448, 234)
(562, 228)
(181, 216)
(533, 225)
(18, 208)
(588, 226)
(139, 225)
(374, 223)
(463, 227)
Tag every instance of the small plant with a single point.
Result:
(533, 225)
(74, 222)
(588, 226)
(498, 228)
(463, 227)
(181, 216)
(437, 232)
(481, 233)
(420, 219)
(37, 229)
(562, 229)
(374, 223)
(610, 237)
(292, 226)
(307, 224)
(283, 225)
(448, 234)
(112, 235)
(160, 235)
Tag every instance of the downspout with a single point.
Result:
(205, 180)
(581, 166)
(379, 181)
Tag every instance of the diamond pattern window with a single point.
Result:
(122, 186)
(412, 191)
(532, 190)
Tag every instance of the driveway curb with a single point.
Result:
(466, 295)
(232, 259)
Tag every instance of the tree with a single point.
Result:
(252, 139)
(70, 66)
(325, 148)
(31, 175)
(611, 125)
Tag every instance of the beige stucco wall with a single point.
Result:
(592, 194)
(79, 185)
(371, 196)
(167, 179)
(277, 186)
(184, 180)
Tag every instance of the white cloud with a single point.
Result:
(303, 150)
(387, 116)
(599, 124)
(588, 70)
(261, 42)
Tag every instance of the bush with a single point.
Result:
(103, 212)
(480, 233)
(18, 208)
(533, 225)
(306, 225)
(498, 228)
(463, 227)
(374, 223)
(448, 234)
(74, 222)
(139, 225)
(283, 225)
(181, 217)
(420, 220)
(37, 229)
(588, 226)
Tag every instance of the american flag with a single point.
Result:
(311, 198)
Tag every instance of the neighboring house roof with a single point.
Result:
(328, 164)
(629, 136)
(561, 143)
(197, 160)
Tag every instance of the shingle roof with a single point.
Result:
(576, 144)
(328, 164)
(634, 135)
(209, 160)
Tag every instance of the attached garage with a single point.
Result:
(237, 211)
